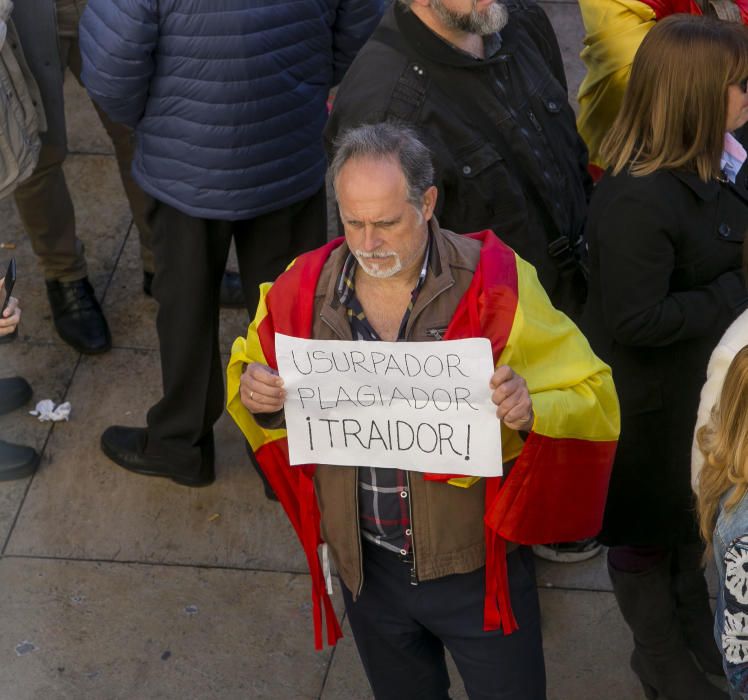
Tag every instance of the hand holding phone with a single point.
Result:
(9, 282)
(9, 323)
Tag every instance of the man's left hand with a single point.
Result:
(512, 399)
(12, 314)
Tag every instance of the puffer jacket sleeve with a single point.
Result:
(117, 39)
(355, 20)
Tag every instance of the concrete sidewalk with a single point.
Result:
(119, 586)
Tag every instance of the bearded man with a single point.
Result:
(428, 561)
(483, 84)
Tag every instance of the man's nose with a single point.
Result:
(371, 238)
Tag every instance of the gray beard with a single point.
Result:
(492, 20)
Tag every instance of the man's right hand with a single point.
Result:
(261, 389)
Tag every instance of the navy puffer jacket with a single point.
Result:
(228, 97)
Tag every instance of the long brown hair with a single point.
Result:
(724, 445)
(674, 109)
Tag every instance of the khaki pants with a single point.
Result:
(43, 200)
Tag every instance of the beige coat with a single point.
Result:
(21, 111)
(734, 339)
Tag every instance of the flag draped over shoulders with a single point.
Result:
(557, 485)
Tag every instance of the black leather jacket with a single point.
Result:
(502, 134)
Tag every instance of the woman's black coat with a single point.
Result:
(666, 281)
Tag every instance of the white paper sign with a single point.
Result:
(419, 406)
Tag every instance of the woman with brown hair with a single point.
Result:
(723, 514)
(665, 227)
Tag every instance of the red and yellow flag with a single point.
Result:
(555, 490)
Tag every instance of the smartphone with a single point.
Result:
(10, 280)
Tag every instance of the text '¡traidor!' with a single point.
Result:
(422, 406)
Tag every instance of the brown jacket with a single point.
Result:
(448, 534)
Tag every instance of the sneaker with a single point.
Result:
(568, 552)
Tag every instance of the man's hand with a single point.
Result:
(512, 399)
(261, 389)
(12, 314)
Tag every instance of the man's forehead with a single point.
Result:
(371, 178)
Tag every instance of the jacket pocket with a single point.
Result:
(487, 193)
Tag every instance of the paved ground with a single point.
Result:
(119, 586)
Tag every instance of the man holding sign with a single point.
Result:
(423, 531)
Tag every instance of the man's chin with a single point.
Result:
(380, 272)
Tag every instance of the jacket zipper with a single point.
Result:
(413, 574)
(413, 570)
(412, 319)
(534, 120)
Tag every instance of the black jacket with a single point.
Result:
(503, 137)
(665, 282)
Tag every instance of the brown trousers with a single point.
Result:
(43, 200)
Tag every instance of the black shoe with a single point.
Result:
(14, 392)
(16, 461)
(78, 317)
(126, 447)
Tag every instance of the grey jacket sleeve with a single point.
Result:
(355, 20)
(117, 39)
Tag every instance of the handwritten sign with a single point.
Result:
(419, 406)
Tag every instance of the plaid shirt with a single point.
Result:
(383, 494)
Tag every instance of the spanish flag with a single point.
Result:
(556, 489)
(614, 30)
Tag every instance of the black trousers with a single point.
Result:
(190, 257)
(401, 631)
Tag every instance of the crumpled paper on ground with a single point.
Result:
(45, 411)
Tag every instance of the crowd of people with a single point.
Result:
(467, 209)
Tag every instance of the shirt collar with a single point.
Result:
(733, 157)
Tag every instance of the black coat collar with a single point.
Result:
(709, 191)
(433, 48)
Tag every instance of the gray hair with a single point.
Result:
(387, 140)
